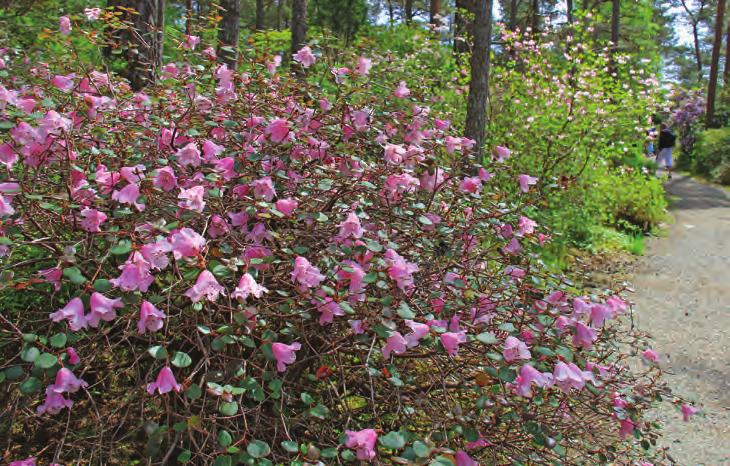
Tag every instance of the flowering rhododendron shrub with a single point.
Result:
(234, 269)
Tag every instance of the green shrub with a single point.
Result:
(711, 155)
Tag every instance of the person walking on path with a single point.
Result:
(667, 140)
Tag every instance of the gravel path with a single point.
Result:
(683, 300)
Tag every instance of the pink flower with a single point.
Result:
(92, 14)
(66, 381)
(102, 308)
(92, 219)
(287, 206)
(189, 155)
(515, 349)
(218, 226)
(363, 66)
(430, 181)
(650, 355)
(73, 312)
(53, 276)
(305, 57)
(328, 308)
(186, 243)
(284, 354)
(567, 376)
(165, 382)
(150, 318)
(63, 83)
(191, 42)
(64, 25)
(206, 286)
(527, 376)
(419, 331)
(526, 181)
(526, 226)
(584, 335)
(394, 153)
(25, 462)
(211, 150)
(472, 185)
(263, 188)
(106, 179)
(53, 404)
(350, 227)
(165, 179)
(273, 64)
(247, 286)
(463, 459)
(688, 411)
(626, 427)
(501, 153)
(73, 357)
(304, 273)
(192, 199)
(135, 274)
(400, 270)
(278, 130)
(513, 247)
(394, 344)
(452, 340)
(6, 208)
(402, 90)
(363, 442)
(128, 195)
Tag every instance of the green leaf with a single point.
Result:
(392, 441)
(290, 446)
(14, 372)
(421, 449)
(31, 385)
(29, 353)
(194, 392)
(487, 338)
(122, 247)
(228, 409)
(157, 352)
(184, 456)
(373, 245)
(329, 453)
(320, 411)
(180, 426)
(441, 461)
(258, 449)
(46, 360)
(405, 312)
(102, 285)
(425, 220)
(180, 359)
(58, 340)
(75, 275)
(223, 460)
(224, 438)
(506, 374)
(30, 337)
(546, 351)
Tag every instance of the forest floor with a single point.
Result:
(683, 301)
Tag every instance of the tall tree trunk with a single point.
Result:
(260, 15)
(569, 11)
(435, 13)
(726, 71)
(391, 13)
(298, 26)
(143, 48)
(476, 108)
(698, 52)
(278, 14)
(461, 46)
(228, 31)
(535, 16)
(512, 24)
(615, 18)
(188, 17)
(409, 11)
(714, 65)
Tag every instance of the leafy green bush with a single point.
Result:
(711, 155)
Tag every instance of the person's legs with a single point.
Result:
(668, 161)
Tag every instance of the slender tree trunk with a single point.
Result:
(435, 13)
(143, 48)
(278, 14)
(391, 13)
(535, 16)
(698, 52)
(228, 32)
(714, 65)
(615, 23)
(298, 26)
(512, 24)
(726, 71)
(461, 46)
(476, 108)
(569, 11)
(188, 17)
(260, 15)
(409, 11)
